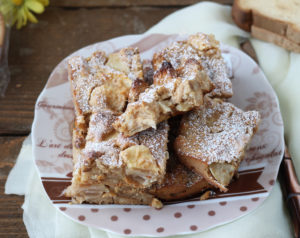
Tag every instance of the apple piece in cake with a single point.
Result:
(99, 75)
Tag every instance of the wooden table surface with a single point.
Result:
(35, 50)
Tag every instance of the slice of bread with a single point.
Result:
(280, 17)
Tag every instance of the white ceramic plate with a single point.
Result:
(53, 153)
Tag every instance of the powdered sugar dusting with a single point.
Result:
(176, 54)
(107, 151)
(217, 132)
(149, 96)
(156, 140)
(100, 125)
(104, 151)
(84, 76)
(177, 173)
(210, 59)
(216, 69)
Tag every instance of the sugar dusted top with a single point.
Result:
(205, 50)
(217, 132)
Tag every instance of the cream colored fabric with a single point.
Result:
(270, 220)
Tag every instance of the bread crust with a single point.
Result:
(271, 37)
(242, 17)
(269, 23)
(293, 33)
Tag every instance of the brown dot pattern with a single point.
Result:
(177, 215)
(243, 208)
(160, 229)
(193, 227)
(223, 203)
(211, 213)
(127, 209)
(255, 199)
(94, 209)
(81, 218)
(146, 217)
(127, 231)
(114, 218)
(63, 208)
(271, 182)
(190, 206)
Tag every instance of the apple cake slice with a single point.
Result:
(184, 73)
(205, 50)
(92, 76)
(212, 140)
(172, 92)
(114, 169)
(108, 167)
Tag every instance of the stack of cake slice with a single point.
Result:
(121, 131)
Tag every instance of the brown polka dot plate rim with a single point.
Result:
(53, 151)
